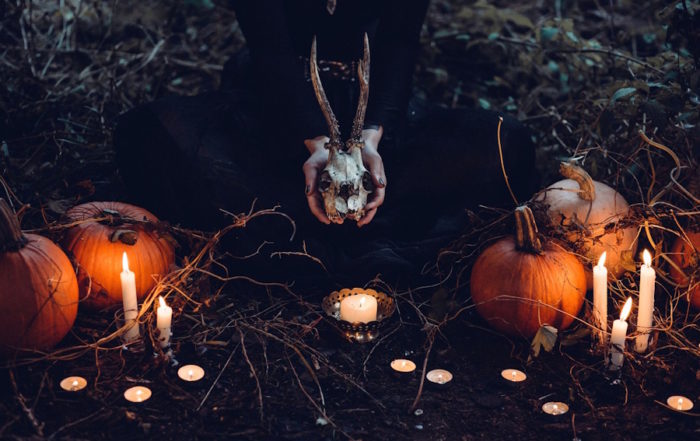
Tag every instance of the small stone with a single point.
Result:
(419, 426)
(418, 412)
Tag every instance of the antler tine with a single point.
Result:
(363, 76)
(333, 128)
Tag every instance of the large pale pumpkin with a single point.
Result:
(519, 284)
(38, 289)
(594, 215)
(101, 233)
(686, 254)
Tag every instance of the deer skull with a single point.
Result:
(344, 183)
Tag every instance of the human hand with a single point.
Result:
(374, 164)
(313, 166)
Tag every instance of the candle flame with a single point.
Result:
(680, 404)
(75, 382)
(362, 302)
(626, 309)
(161, 300)
(601, 261)
(190, 373)
(125, 263)
(646, 256)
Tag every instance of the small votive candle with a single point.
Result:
(513, 375)
(680, 403)
(190, 372)
(358, 308)
(403, 366)
(555, 408)
(164, 318)
(439, 376)
(73, 384)
(137, 394)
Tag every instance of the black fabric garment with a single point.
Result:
(185, 158)
(279, 34)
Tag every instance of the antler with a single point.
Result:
(333, 129)
(363, 77)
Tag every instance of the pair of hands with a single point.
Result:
(317, 162)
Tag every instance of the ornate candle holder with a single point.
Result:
(359, 332)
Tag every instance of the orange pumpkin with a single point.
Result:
(594, 213)
(686, 255)
(101, 233)
(519, 284)
(38, 289)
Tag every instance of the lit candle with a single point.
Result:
(137, 394)
(680, 403)
(439, 376)
(513, 375)
(190, 372)
(130, 300)
(600, 298)
(617, 340)
(555, 408)
(358, 308)
(403, 366)
(163, 322)
(645, 310)
(73, 384)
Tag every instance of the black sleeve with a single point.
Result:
(288, 95)
(393, 57)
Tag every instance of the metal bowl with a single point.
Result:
(359, 332)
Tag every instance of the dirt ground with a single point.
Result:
(591, 78)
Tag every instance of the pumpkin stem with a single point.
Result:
(526, 231)
(11, 237)
(583, 179)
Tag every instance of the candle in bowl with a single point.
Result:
(600, 298)
(439, 376)
(163, 322)
(617, 340)
(645, 309)
(358, 308)
(555, 408)
(137, 394)
(190, 372)
(680, 403)
(513, 375)
(73, 384)
(129, 300)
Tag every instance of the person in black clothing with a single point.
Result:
(186, 157)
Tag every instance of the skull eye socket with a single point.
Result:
(367, 183)
(324, 182)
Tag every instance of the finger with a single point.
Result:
(377, 199)
(367, 218)
(310, 177)
(316, 207)
(376, 169)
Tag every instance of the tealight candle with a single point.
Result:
(555, 408)
(190, 372)
(513, 375)
(617, 340)
(439, 376)
(130, 300)
(403, 366)
(645, 310)
(358, 308)
(680, 403)
(137, 394)
(163, 322)
(73, 384)
(600, 298)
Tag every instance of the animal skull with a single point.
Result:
(345, 183)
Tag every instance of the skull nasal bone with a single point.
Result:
(346, 190)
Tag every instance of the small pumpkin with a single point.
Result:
(685, 253)
(519, 283)
(101, 233)
(594, 213)
(38, 289)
